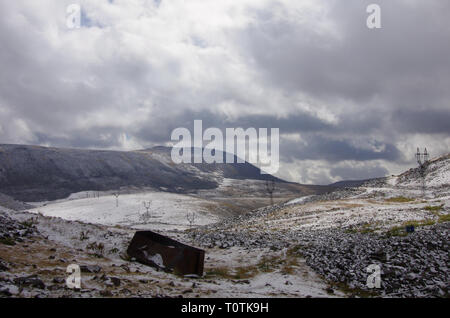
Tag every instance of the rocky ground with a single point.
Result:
(412, 265)
(34, 261)
(341, 233)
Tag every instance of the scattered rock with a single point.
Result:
(58, 280)
(9, 290)
(343, 256)
(115, 281)
(125, 268)
(106, 293)
(30, 281)
(125, 291)
(3, 266)
(90, 268)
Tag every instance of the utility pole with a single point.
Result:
(117, 198)
(147, 205)
(270, 186)
(191, 219)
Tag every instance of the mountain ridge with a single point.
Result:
(36, 173)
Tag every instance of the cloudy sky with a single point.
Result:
(350, 102)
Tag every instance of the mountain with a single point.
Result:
(35, 173)
(347, 183)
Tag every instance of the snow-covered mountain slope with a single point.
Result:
(436, 171)
(8, 202)
(386, 202)
(32, 173)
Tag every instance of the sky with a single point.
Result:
(350, 102)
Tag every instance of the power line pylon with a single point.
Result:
(422, 159)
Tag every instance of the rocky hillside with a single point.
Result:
(9, 203)
(31, 173)
(437, 174)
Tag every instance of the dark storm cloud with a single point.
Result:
(332, 150)
(159, 127)
(96, 138)
(422, 121)
(397, 78)
(350, 172)
(318, 146)
(404, 61)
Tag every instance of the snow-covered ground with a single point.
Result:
(354, 212)
(167, 210)
(299, 200)
(66, 242)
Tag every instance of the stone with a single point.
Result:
(3, 266)
(115, 281)
(30, 281)
(329, 290)
(90, 268)
(9, 290)
(106, 293)
(59, 280)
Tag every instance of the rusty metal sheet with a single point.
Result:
(164, 253)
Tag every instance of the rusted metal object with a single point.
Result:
(164, 253)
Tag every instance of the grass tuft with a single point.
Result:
(8, 241)
(444, 218)
(400, 199)
(436, 208)
(267, 264)
(401, 231)
(29, 223)
(217, 271)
